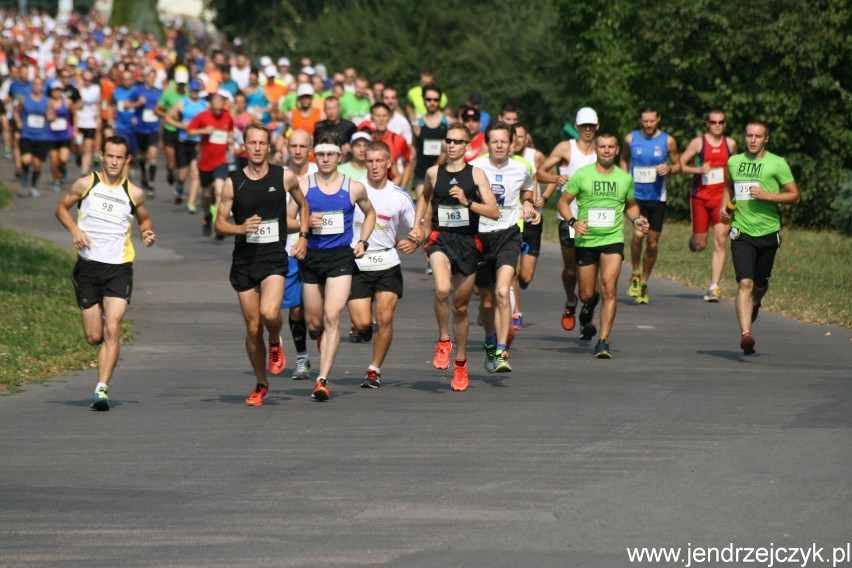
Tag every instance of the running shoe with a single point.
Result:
(503, 362)
(713, 295)
(367, 334)
(602, 350)
(100, 400)
(747, 344)
(490, 357)
(56, 186)
(510, 338)
(460, 378)
(277, 360)
(635, 286)
(588, 331)
(568, 317)
(302, 372)
(428, 270)
(372, 380)
(587, 312)
(442, 354)
(754, 312)
(321, 390)
(518, 322)
(642, 298)
(257, 395)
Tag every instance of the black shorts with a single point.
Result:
(464, 251)
(587, 256)
(59, 144)
(247, 276)
(500, 248)
(170, 138)
(321, 264)
(365, 283)
(94, 281)
(565, 238)
(145, 141)
(35, 148)
(207, 178)
(185, 153)
(88, 133)
(753, 257)
(655, 212)
(531, 236)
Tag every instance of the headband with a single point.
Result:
(320, 148)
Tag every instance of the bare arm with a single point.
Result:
(488, 207)
(291, 184)
(688, 155)
(789, 194)
(63, 212)
(673, 166)
(416, 234)
(360, 198)
(146, 225)
(624, 163)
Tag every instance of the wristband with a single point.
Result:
(571, 221)
(303, 234)
(366, 244)
(634, 221)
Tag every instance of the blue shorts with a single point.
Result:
(292, 285)
(131, 138)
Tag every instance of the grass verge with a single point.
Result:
(811, 280)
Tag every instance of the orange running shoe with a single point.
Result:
(321, 390)
(442, 354)
(257, 396)
(460, 378)
(568, 317)
(277, 360)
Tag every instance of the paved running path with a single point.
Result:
(565, 462)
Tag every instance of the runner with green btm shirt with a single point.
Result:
(604, 193)
(758, 181)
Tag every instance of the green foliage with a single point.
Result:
(782, 62)
(138, 15)
(843, 205)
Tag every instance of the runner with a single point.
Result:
(458, 194)
(757, 182)
(215, 126)
(88, 123)
(648, 155)
(61, 125)
(124, 115)
(170, 98)
(186, 153)
(299, 149)
(356, 168)
(711, 152)
(329, 263)
(32, 123)
(103, 276)
(144, 99)
(378, 276)
(604, 194)
(512, 185)
(257, 197)
(570, 156)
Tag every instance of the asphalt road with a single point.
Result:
(679, 441)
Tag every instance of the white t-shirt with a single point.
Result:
(578, 160)
(506, 182)
(394, 220)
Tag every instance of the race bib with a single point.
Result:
(715, 175)
(601, 217)
(332, 223)
(106, 208)
(35, 121)
(741, 189)
(375, 260)
(59, 124)
(453, 216)
(267, 232)
(148, 115)
(431, 147)
(645, 174)
(121, 106)
(502, 221)
(219, 137)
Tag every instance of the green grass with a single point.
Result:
(811, 280)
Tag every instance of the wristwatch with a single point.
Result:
(571, 221)
(303, 234)
(366, 244)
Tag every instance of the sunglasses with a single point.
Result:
(715, 122)
(457, 141)
(431, 100)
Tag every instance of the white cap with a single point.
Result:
(360, 135)
(265, 61)
(308, 70)
(586, 115)
(283, 62)
(304, 90)
(181, 76)
(270, 71)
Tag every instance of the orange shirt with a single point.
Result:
(306, 123)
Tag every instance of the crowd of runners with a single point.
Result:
(324, 179)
